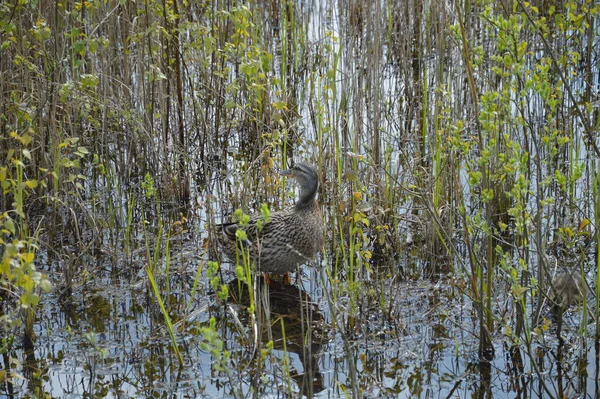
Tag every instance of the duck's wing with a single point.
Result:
(256, 227)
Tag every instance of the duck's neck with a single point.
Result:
(307, 196)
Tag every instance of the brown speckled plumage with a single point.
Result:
(293, 236)
(570, 289)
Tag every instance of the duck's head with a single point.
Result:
(308, 179)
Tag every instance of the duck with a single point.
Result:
(569, 289)
(288, 238)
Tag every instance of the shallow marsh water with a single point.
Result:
(109, 340)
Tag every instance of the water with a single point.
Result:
(108, 339)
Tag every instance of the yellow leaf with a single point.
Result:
(26, 282)
(5, 267)
(28, 257)
(31, 183)
(26, 139)
(582, 225)
(518, 291)
(546, 324)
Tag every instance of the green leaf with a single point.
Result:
(27, 283)
(30, 299)
(9, 225)
(5, 267)
(487, 194)
(45, 285)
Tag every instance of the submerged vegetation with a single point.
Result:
(457, 146)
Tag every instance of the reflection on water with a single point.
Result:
(289, 318)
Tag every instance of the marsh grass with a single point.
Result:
(455, 145)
